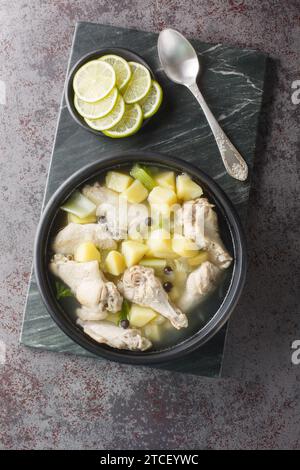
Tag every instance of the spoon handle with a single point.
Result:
(232, 159)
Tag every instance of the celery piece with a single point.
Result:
(124, 311)
(143, 175)
(155, 263)
(79, 205)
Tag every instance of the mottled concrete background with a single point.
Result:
(54, 401)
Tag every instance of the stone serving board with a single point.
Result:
(232, 83)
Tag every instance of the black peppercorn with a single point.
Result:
(168, 270)
(167, 286)
(124, 324)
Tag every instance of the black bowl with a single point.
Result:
(225, 210)
(69, 91)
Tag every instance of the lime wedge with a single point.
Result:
(94, 80)
(98, 109)
(121, 68)
(110, 119)
(152, 102)
(129, 124)
(139, 83)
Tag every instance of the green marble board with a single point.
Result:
(232, 83)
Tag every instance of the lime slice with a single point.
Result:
(121, 68)
(98, 109)
(129, 124)
(152, 102)
(139, 83)
(94, 80)
(110, 119)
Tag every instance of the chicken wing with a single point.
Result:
(199, 283)
(118, 216)
(70, 237)
(200, 224)
(96, 295)
(139, 285)
(107, 333)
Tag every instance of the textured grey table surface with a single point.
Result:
(55, 401)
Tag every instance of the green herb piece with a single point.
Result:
(62, 290)
(124, 311)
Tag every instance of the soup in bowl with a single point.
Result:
(139, 260)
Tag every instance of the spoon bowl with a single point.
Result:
(178, 57)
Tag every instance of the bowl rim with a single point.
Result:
(122, 52)
(67, 324)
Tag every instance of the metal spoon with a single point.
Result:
(180, 63)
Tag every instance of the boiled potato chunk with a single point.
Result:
(166, 179)
(135, 235)
(140, 316)
(199, 259)
(161, 216)
(158, 264)
(104, 254)
(162, 196)
(133, 252)
(87, 251)
(160, 245)
(153, 332)
(158, 320)
(187, 188)
(136, 192)
(90, 219)
(115, 263)
(184, 247)
(117, 181)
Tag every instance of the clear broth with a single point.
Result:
(202, 313)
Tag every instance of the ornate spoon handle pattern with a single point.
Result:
(233, 161)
